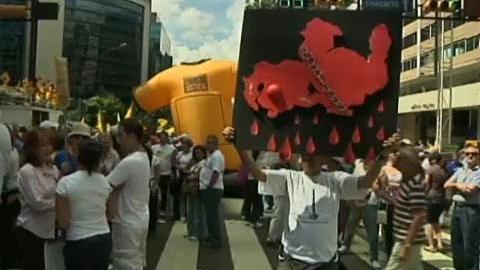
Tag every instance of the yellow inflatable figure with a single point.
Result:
(201, 99)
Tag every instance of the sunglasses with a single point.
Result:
(473, 154)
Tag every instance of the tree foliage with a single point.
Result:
(109, 105)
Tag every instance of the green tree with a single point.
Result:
(109, 105)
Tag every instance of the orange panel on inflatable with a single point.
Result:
(200, 95)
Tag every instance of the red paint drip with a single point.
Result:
(381, 134)
(350, 155)
(255, 128)
(356, 135)
(272, 144)
(371, 154)
(286, 152)
(371, 122)
(381, 107)
(315, 119)
(298, 139)
(297, 120)
(334, 136)
(310, 146)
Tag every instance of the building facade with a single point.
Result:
(440, 55)
(13, 52)
(106, 43)
(160, 57)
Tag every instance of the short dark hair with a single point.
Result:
(90, 155)
(162, 133)
(435, 156)
(198, 147)
(214, 138)
(134, 127)
(32, 143)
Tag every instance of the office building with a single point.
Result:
(459, 66)
(13, 36)
(160, 57)
(106, 43)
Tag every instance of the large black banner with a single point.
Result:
(313, 81)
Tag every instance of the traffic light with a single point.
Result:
(453, 6)
(430, 5)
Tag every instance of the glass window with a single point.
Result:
(459, 47)
(427, 58)
(409, 40)
(447, 51)
(103, 41)
(425, 33)
(473, 43)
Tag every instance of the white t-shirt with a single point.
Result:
(133, 172)
(183, 160)
(162, 158)
(87, 195)
(215, 163)
(311, 233)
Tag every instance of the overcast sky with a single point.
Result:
(202, 28)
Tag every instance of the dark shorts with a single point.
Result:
(434, 211)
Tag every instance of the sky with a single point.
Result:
(202, 28)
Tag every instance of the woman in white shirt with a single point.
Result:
(36, 183)
(195, 214)
(82, 199)
(183, 163)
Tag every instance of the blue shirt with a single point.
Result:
(453, 166)
(467, 176)
(65, 156)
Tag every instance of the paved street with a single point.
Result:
(244, 248)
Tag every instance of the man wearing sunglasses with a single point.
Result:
(465, 231)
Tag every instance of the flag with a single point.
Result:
(100, 122)
(129, 113)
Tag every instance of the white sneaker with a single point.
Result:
(258, 225)
(161, 221)
(376, 264)
(343, 249)
(193, 238)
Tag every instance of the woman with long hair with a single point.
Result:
(81, 203)
(37, 181)
(195, 214)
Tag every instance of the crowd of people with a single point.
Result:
(98, 196)
(101, 195)
(406, 201)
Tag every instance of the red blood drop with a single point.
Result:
(356, 135)
(350, 155)
(381, 107)
(255, 128)
(272, 144)
(315, 119)
(297, 120)
(381, 134)
(298, 139)
(311, 146)
(334, 136)
(286, 152)
(371, 122)
(371, 154)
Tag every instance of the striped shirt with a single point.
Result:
(410, 199)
